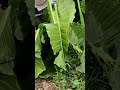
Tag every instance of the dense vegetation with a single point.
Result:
(102, 44)
(59, 44)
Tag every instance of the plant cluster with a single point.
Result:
(60, 46)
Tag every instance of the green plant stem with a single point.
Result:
(81, 15)
(50, 10)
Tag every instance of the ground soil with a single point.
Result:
(45, 84)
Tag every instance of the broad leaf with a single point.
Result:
(62, 16)
(59, 61)
(39, 67)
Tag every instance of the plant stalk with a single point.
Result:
(80, 13)
(50, 10)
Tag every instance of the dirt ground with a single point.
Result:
(45, 84)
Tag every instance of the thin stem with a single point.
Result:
(80, 13)
(50, 10)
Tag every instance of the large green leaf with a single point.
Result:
(59, 61)
(58, 39)
(62, 16)
(39, 65)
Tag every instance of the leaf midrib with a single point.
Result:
(58, 22)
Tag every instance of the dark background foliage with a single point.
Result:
(102, 44)
(23, 33)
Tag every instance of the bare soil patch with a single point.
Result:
(45, 84)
